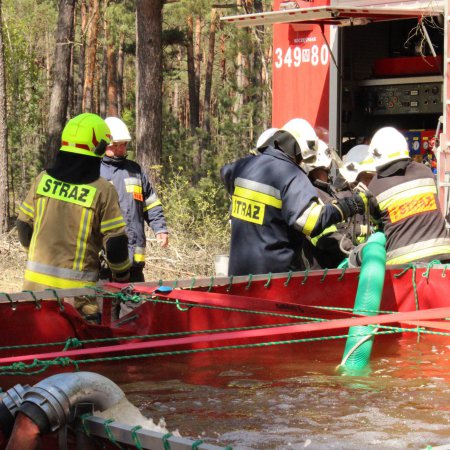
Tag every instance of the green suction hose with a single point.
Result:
(367, 302)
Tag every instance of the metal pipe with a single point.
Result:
(9, 405)
(51, 402)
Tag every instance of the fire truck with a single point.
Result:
(352, 67)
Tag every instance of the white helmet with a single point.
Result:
(119, 131)
(356, 161)
(388, 145)
(305, 136)
(323, 159)
(264, 136)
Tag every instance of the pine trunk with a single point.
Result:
(194, 119)
(61, 78)
(149, 83)
(4, 191)
(81, 58)
(113, 109)
(120, 67)
(209, 73)
(91, 57)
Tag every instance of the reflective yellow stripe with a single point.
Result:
(152, 205)
(403, 187)
(139, 258)
(83, 234)
(121, 267)
(41, 204)
(55, 282)
(329, 230)
(260, 197)
(420, 254)
(408, 194)
(312, 219)
(27, 209)
(110, 224)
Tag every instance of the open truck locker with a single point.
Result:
(351, 68)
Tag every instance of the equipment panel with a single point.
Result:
(408, 98)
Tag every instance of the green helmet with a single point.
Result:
(86, 134)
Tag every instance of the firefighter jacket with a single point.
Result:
(138, 203)
(70, 223)
(274, 206)
(405, 203)
(323, 251)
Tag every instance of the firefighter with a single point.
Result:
(358, 166)
(70, 213)
(138, 200)
(324, 250)
(265, 136)
(406, 203)
(275, 206)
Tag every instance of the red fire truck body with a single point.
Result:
(353, 67)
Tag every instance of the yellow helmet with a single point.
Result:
(86, 134)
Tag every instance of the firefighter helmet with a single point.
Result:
(119, 131)
(265, 136)
(86, 134)
(305, 137)
(356, 161)
(323, 158)
(388, 145)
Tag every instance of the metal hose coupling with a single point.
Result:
(51, 402)
(11, 401)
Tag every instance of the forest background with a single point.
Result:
(194, 92)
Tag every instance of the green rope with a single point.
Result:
(60, 303)
(306, 276)
(8, 297)
(6, 370)
(192, 284)
(231, 284)
(180, 308)
(250, 276)
(160, 282)
(443, 275)
(341, 276)
(38, 303)
(413, 267)
(325, 271)
(269, 279)
(72, 343)
(426, 274)
(196, 444)
(136, 440)
(211, 284)
(83, 423)
(165, 441)
(416, 295)
(109, 432)
(288, 279)
(175, 283)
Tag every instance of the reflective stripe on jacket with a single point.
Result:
(407, 206)
(71, 223)
(138, 203)
(269, 193)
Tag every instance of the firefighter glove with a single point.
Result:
(349, 206)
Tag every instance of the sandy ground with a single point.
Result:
(12, 262)
(175, 262)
